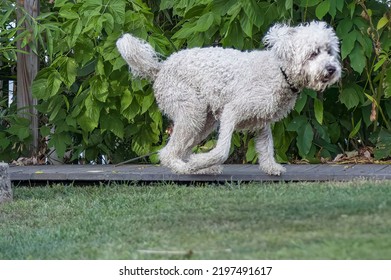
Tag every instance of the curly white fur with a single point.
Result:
(201, 87)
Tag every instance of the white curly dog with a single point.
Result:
(201, 87)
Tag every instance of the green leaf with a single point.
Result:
(251, 152)
(382, 22)
(76, 30)
(54, 83)
(236, 140)
(382, 59)
(246, 25)
(84, 51)
(387, 83)
(339, 5)
(355, 129)
(234, 36)
(357, 59)
(147, 102)
(117, 9)
(297, 123)
(334, 131)
(321, 131)
(166, 4)
(60, 141)
(108, 23)
(305, 135)
(68, 14)
(344, 27)
(322, 9)
(4, 141)
(234, 10)
(221, 7)
(132, 111)
(45, 131)
(349, 97)
(118, 63)
(93, 4)
(69, 72)
(318, 107)
(301, 101)
(57, 106)
(309, 3)
(253, 12)
(126, 100)
(310, 93)
(86, 123)
(333, 8)
(383, 145)
(352, 8)
(187, 30)
(147, 135)
(21, 131)
(204, 22)
(93, 22)
(88, 69)
(39, 89)
(93, 108)
(282, 141)
(6, 16)
(289, 5)
(348, 43)
(366, 43)
(100, 88)
(112, 122)
(100, 68)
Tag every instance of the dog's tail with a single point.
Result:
(141, 57)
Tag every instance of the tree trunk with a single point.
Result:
(27, 68)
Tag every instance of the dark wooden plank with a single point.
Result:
(241, 173)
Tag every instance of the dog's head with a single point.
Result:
(308, 53)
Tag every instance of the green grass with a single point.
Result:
(232, 221)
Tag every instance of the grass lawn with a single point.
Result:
(167, 221)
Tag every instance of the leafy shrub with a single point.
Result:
(93, 104)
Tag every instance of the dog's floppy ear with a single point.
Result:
(279, 39)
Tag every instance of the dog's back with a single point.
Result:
(213, 75)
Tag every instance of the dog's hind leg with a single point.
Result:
(219, 154)
(190, 127)
(174, 153)
(265, 149)
(209, 127)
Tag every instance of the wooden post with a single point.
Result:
(5, 183)
(27, 68)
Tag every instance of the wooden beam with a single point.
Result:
(27, 68)
(5, 183)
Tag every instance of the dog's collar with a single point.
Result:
(291, 87)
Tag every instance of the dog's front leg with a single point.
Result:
(265, 149)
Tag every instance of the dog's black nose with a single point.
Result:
(330, 70)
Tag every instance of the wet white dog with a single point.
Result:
(201, 87)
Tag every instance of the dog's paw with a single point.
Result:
(273, 169)
(178, 167)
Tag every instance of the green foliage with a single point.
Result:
(14, 133)
(92, 103)
(86, 90)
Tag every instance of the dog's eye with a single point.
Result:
(314, 54)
